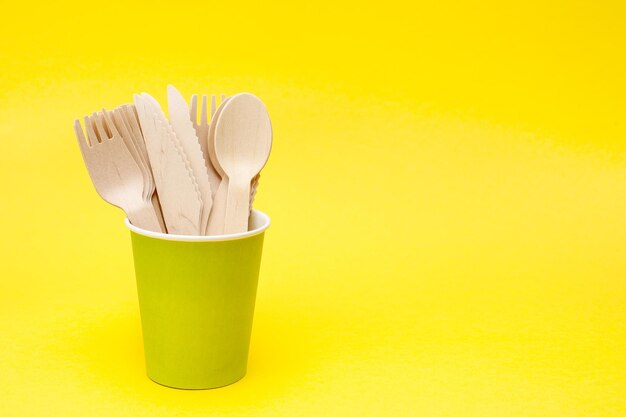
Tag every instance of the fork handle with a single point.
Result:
(145, 217)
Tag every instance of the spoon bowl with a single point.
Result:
(243, 136)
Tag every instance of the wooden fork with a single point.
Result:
(115, 174)
(202, 131)
(126, 120)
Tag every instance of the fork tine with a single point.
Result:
(213, 105)
(102, 134)
(131, 110)
(107, 130)
(132, 119)
(119, 122)
(204, 117)
(193, 109)
(80, 135)
(108, 122)
(223, 97)
(128, 118)
(91, 134)
(133, 114)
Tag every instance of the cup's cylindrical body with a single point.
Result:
(196, 299)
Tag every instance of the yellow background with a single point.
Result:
(447, 189)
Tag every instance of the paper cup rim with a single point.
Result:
(264, 220)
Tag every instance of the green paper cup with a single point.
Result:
(196, 299)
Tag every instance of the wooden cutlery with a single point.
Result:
(127, 124)
(202, 132)
(186, 134)
(186, 175)
(176, 184)
(242, 144)
(115, 173)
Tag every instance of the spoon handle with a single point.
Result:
(237, 206)
(218, 211)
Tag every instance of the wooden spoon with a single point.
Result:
(242, 144)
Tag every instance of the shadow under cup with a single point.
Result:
(196, 299)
